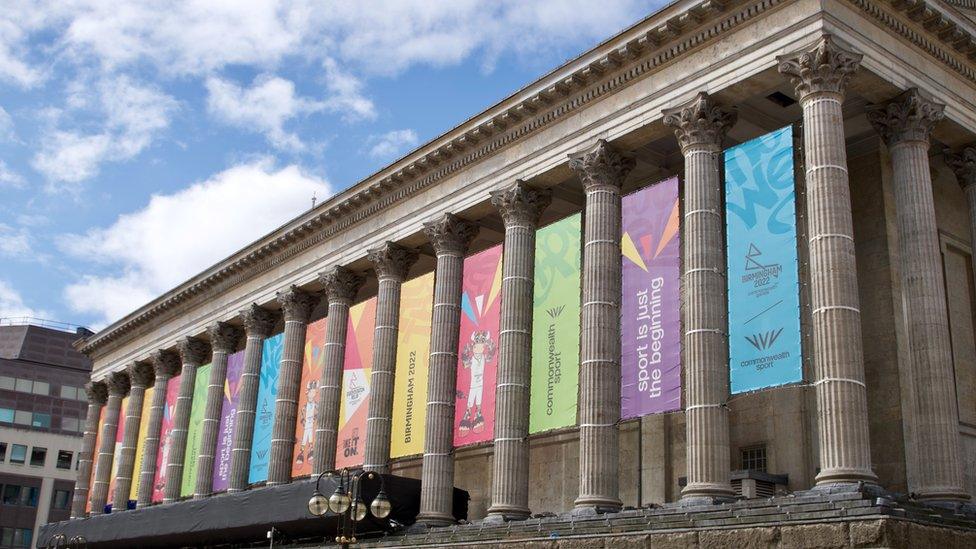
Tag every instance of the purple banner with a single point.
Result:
(650, 380)
(228, 413)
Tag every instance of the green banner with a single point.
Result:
(556, 326)
(194, 431)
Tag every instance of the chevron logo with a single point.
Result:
(764, 340)
(555, 311)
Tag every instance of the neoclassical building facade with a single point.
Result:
(881, 100)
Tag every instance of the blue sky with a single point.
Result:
(139, 144)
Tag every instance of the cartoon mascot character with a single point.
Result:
(476, 354)
(307, 420)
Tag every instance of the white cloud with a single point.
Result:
(10, 178)
(178, 235)
(129, 115)
(14, 242)
(7, 132)
(265, 107)
(392, 143)
(346, 96)
(12, 304)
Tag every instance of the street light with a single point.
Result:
(347, 502)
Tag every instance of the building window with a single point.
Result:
(6, 415)
(22, 417)
(754, 458)
(42, 388)
(18, 454)
(70, 424)
(38, 456)
(67, 391)
(11, 494)
(22, 537)
(41, 420)
(24, 385)
(62, 499)
(28, 496)
(7, 383)
(6, 537)
(3, 451)
(64, 459)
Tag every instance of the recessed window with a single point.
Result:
(62, 499)
(38, 456)
(41, 420)
(67, 391)
(6, 537)
(70, 424)
(64, 459)
(24, 385)
(22, 417)
(7, 383)
(29, 495)
(18, 454)
(3, 451)
(42, 388)
(6, 415)
(23, 537)
(754, 458)
(11, 494)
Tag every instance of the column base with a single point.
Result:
(706, 493)
(587, 506)
(433, 520)
(504, 513)
(835, 476)
(943, 496)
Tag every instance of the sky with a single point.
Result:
(142, 142)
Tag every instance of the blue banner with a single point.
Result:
(764, 292)
(264, 414)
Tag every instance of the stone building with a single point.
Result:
(881, 96)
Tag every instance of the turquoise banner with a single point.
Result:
(763, 277)
(264, 416)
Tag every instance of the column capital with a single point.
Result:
(97, 392)
(224, 337)
(825, 69)
(193, 351)
(392, 260)
(602, 165)
(258, 321)
(963, 163)
(450, 234)
(296, 304)
(521, 204)
(165, 363)
(341, 284)
(908, 117)
(701, 122)
(140, 374)
(118, 383)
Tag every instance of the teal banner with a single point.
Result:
(763, 277)
(264, 415)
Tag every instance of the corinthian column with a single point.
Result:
(963, 164)
(391, 262)
(297, 307)
(193, 353)
(140, 377)
(821, 76)
(450, 237)
(166, 364)
(97, 394)
(700, 127)
(520, 207)
(223, 340)
(601, 171)
(258, 324)
(118, 387)
(936, 468)
(341, 286)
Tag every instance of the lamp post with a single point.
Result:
(347, 502)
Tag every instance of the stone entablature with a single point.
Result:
(675, 32)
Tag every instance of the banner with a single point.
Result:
(264, 413)
(119, 436)
(228, 415)
(474, 414)
(98, 443)
(413, 357)
(198, 410)
(308, 398)
(165, 438)
(354, 406)
(764, 294)
(555, 326)
(650, 327)
(141, 443)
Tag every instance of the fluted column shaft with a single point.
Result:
(296, 305)
(341, 286)
(166, 364)
(700, 127)
(97, 395)
(936, 470)
(193, 353)
(118, 387)
(602, 171)
(963, 164)
(223, 341)
(450, 237)
(820, 76)
(391, 262)
(141, 377)
(258, 324)
(520, 207)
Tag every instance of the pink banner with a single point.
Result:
(308, 398)
(165, 438)
(474, 414)
(354, 407)
(119, 435)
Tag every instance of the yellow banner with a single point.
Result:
(141, 444)
(413, 354)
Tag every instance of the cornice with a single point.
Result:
(634, 53)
